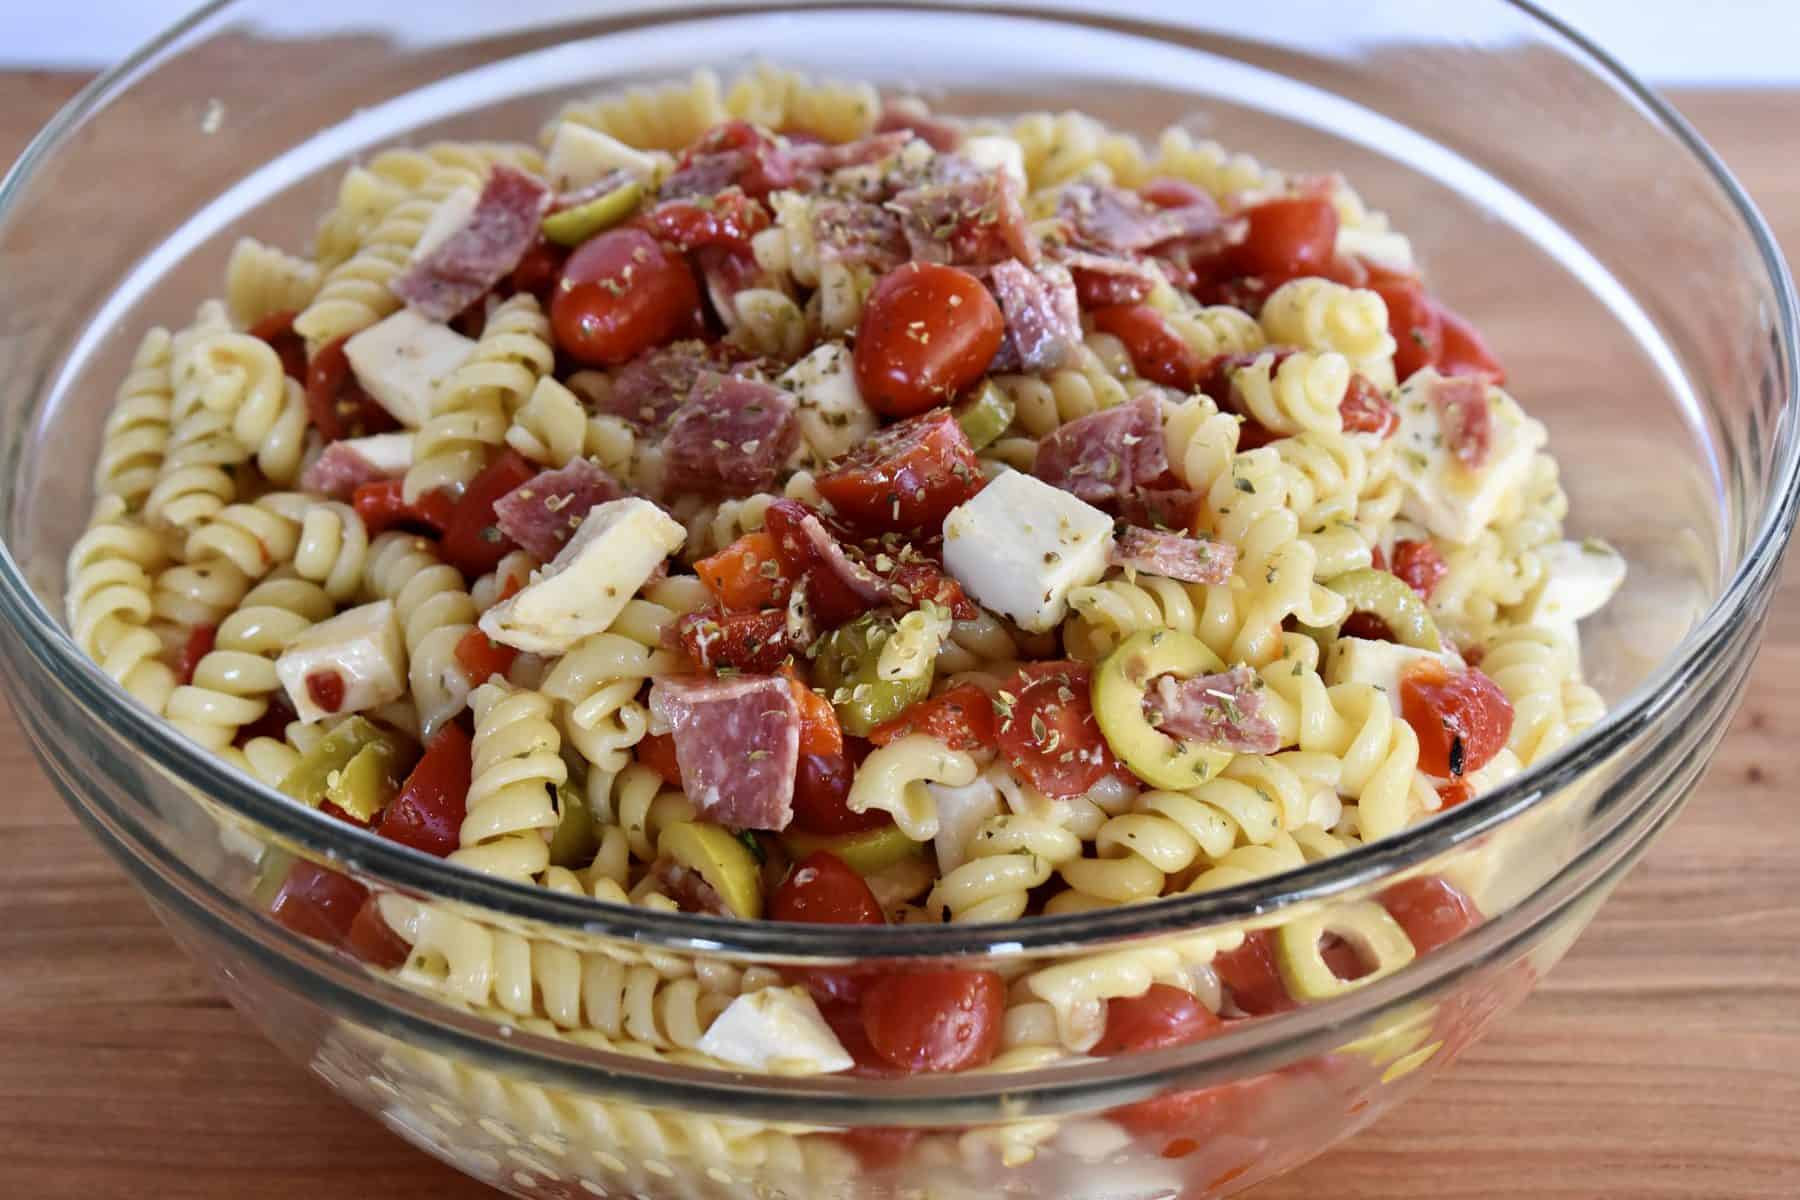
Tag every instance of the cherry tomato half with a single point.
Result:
(1412, 319)
(1288, 238)
(317, 902)
(382, 505)
(1254, 979)
(1158, 353)
(620, 294)
(1465, 353)
(1163, 1017)
(1419, 566)
(741, 641)
(944, 1020)
(1050, 735)
(962, 718)
(821, 785)
(336, 404)
(657, 751)
(904, 478)
(371, 939)
(823, 890)
(277, 330)
(1462, 720)
(472, 541)
(428, 812)
(199, 644)
(1431, 910)
(928, 331)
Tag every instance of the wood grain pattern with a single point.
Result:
(1662, 1059)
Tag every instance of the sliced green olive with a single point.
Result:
(1388, 597)
(847, 671)
(323, 772)
(985, 415)
(573, 226)
(725, 863)
(271, 873)
(1377, 938)
(866, 853)
(1118, 695)
(575, 841)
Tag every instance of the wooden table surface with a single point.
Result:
(1661, 1059)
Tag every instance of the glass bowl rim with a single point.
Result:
(415, 873)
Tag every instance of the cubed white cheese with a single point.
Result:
(451, 214)
(1021, 546)
(832, 415)
(401, 360)
(996, 152)
(1442, 494)
(776, 1030)
(1500, 768)
(360, 654)
(1360, 660)
(580, 156)
(1579, 578)
(1384, 248)
(961, 810)
(584, 588)
(389, 453)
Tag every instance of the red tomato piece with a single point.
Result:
(1158, 353)
(821, 784)
(1462, 720)
(747, 574)
(926, 580)
(1107, 289)
(1163, 1017)
(1455, 792)
(937, 1020)
(538, 271)
(1192, 1117)
(472, 541)
(1365, 409)
(1288, 237)
(482, 657)
(904, 478)
(1413, 320)
(317, 902)
(831, 599)
(928, 331)
(763, 167)
(729, 219)
(962, 718)
(1431, 910)
(336, 403)
(657, 751)
(1368, 626)
(1049, 734)
(325, 688)
(1168, 192)
(428, 813)
(621, 293)
(1464, 352)
(1254, 979)
(823, 890)
(382, 506)
(372, 941)
(277, 329)
(199, 644)
(1419, 566)
(878, 1147)
(756, 642)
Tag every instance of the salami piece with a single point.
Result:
(461, 269)
(737, 742)
(1223, 710)
(731, 438)
(1043, 316)
(1173, 555)
(1116, 220)
(339, 470)
(544, 512)
(976, 221)
(1106, 455)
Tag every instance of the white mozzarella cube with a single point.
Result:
(401, 360)
(1442, 494)
(832, 415)
(584, 588)
(1021, 546)
(1361, 660)
(580, 156)
(389, 453)
(996, 152)
(776, 1030)
(451, 214)
(1579, 578)
(1384, 248)
(352, 662)
(1500, 768)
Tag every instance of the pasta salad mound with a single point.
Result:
(786, 504)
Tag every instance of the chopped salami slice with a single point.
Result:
(544, 512)
(686, 887)
(727, 272)
(1043, 317)
(649, 388)
(339, 471)
(737, 741)
(822, 158)
(827, 552)
(1223, 710)
(1173, 556)
(461, 269)
(1101, 280)
(734, 153)
(1468, 420)
(730, 438)
(969, 222)
(915, 118)
(1161, 507)
(1106, 455)
(1113, 219)
(858, 233)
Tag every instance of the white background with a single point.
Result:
(1728, 42)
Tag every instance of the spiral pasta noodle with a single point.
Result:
(517, 766)
(892, 779)
(668, 117)
(109, 607)
(261, 281)
(1318, 314)
(435, 612)
(790, 102)
(333, 549)
(231, 684)
(1043, 404)
(1300, 394)
(137, 430)
(551, 427)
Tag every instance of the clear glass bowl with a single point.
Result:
(1637, 297)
